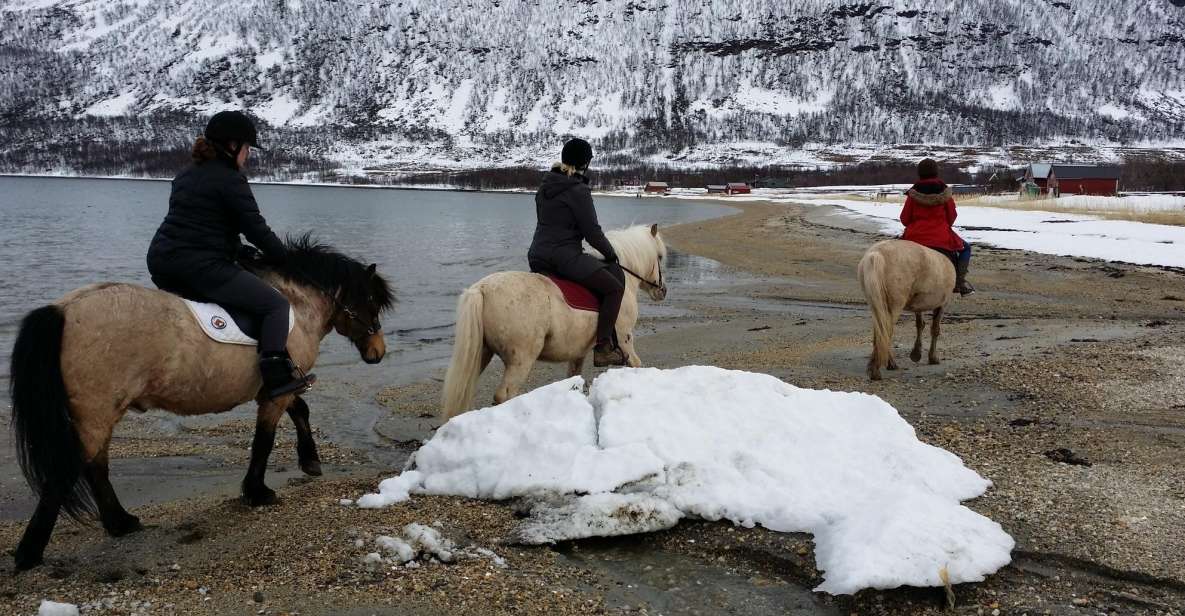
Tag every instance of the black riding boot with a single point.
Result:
(281, 377)
(962, 287)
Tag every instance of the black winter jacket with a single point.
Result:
(209, 207)
(564, 207)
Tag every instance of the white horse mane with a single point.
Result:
(636, 247)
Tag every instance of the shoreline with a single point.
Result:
(1053, 352)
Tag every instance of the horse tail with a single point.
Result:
(872, 279)
(48, 447)
(460, 382)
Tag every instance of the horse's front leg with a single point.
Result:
(916, 353)
(934, 331)
(631, 355)
(306, 448)
(255, 492)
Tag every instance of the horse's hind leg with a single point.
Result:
(518, 368)
(255, 492)
(916, 353)
(934, 331)
(306, 448)
(30, 550)
(116, 520)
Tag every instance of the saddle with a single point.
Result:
(576, 295)
(949, 254)
(230, 326)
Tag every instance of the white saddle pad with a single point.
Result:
(218, 325)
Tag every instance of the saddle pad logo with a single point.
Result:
(218, 322)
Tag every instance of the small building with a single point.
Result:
(737, 188)
(717, 189)
(1054, 180)
(660, 188)
(1101, 180)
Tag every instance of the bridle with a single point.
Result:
(341, 308)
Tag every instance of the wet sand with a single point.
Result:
(1053, 353)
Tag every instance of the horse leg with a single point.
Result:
(30, 550)
(934, 331)
(306, 448)
(255, 492)
(916, 353)
(630, 354)
(518, 368)
(576, 367)
(116, 520)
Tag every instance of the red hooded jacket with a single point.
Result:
(929, 214)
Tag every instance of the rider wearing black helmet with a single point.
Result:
(566, 219)
(194, 252)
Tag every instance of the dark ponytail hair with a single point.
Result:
(203, 151)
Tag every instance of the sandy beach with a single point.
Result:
(1053, 353)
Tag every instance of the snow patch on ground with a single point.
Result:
(420, 542)
(1053, 233)
(120, 105)
(648, 447)
(1132, 203)
(53, 608)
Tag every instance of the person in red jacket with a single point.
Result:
(929, 216)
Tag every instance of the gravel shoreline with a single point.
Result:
(1053, 353)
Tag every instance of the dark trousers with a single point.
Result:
(245, 292)
(609, 285)
(965, 254)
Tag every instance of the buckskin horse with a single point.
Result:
(898, 275)
(81, 363)
(523, 317)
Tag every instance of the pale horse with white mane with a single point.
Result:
(522, 318)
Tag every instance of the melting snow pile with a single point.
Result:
(420, 542)
(647, 447)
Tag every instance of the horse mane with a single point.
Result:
(635, 246)
(318, 264)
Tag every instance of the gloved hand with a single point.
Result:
(275, 260)
(247, 254)
(611, 259)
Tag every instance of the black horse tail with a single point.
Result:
(47, 445)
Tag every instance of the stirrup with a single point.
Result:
(614, 356)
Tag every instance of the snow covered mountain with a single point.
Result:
(493, 82)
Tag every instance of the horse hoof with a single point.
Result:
(916, 356)
(262, 498)
(892, 366)
(934, 361)
(24, 562)
(311, 468)
(126, 526)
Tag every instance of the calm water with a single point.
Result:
(59, 234)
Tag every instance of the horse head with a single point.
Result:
(357, 292)
(658, 289)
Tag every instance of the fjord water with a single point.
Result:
(63, 233)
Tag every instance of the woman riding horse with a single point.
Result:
(194, 252)
(566, 218)
(929, 215)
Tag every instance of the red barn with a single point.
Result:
(1038, 173)
(661, 188)
(1084, 180)
(737, 188)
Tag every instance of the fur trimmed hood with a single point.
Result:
(930, 200)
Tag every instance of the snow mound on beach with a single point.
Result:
(647, 447)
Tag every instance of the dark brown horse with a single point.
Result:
(82, 362)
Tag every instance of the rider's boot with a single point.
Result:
(281, 377)
(606, 354)
(962, 287)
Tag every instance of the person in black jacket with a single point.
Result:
(194, 252)
(564, 207)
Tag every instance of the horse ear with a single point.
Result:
(370, 270)
(654, 230)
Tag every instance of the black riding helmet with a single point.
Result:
(227, 126)
(577, 153)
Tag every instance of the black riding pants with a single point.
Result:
(609, 285)
(247, 292)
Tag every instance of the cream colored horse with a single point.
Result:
(899, 275)
(522, 318)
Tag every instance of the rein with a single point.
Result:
(658, 285)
